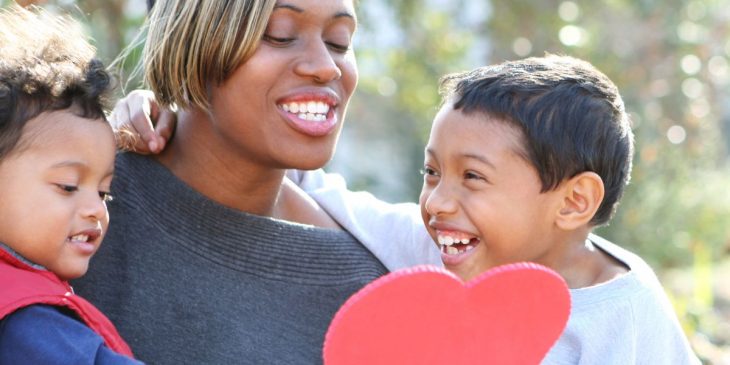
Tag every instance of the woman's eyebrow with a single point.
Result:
(297, 9)
(290, 7)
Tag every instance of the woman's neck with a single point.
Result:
(201, 159)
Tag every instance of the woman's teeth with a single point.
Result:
(313, 111)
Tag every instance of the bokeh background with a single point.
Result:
(670, 59)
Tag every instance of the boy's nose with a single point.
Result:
(440, 201)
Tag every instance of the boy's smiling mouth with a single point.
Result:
(454, 243)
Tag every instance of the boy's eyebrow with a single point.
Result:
(479, 158)
(467, 155)
(297, 9)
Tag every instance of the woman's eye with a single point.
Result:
(106, 196)
(340, 48)
(279, 41)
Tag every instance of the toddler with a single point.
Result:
(56, 164)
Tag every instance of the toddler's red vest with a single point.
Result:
(22, 285)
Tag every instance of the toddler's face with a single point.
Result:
(54, 188)
(481, 199)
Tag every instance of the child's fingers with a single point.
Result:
(166, 121)
(139, 104)
(127, 137)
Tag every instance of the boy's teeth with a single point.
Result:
(448, 240)
(447, 243)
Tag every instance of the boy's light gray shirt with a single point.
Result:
(628, 320)
(394, 233)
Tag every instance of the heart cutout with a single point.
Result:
(511, 314)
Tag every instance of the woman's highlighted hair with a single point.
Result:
(193, 43)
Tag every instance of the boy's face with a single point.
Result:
(53, 188)
(478, 191)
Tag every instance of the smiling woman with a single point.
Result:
(214, 257)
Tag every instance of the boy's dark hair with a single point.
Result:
(571, 116)
(46, 64)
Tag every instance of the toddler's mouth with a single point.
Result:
(89, 235)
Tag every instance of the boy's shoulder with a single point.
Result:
(637, 293)
(630, 314)
(637, 285)
(637, 266)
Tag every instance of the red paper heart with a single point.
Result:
(511, 314)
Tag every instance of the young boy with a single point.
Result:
(525, 158)
(56, 163)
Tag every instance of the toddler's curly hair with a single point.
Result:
(46, 64)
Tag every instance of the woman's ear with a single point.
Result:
(582, 196)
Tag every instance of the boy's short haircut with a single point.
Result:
(571, 116)
(46, 64)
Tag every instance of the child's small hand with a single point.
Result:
(141, 125)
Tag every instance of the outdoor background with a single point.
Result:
(670, 59)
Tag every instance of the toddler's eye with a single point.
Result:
(106, 196)
(67, 188)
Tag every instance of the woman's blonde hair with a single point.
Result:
(192, 44)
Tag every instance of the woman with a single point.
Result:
(213, 256)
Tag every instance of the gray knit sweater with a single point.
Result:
(188, 281)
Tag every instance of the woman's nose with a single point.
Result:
(319, 64)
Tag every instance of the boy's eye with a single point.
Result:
(427, 171)
(471, 175)
(106, 196)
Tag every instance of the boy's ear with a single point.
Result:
(582, 196)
